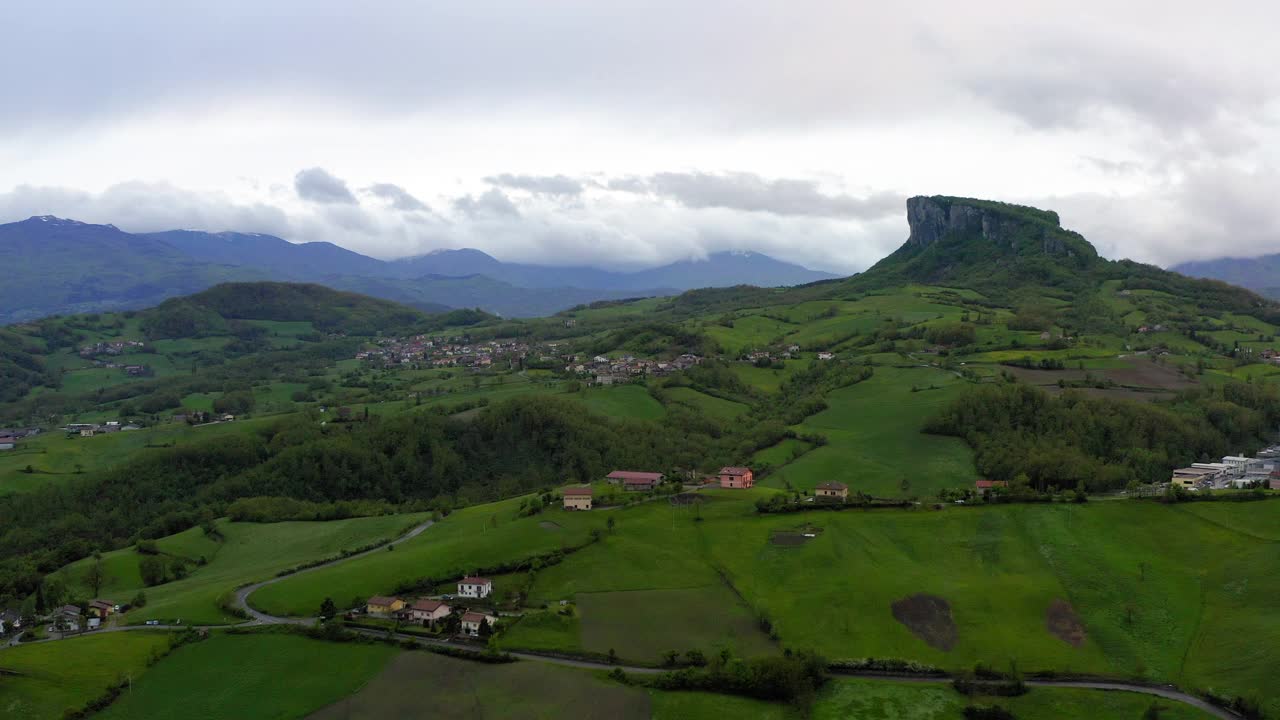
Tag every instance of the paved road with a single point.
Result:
(261, 618)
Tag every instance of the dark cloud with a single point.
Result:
(752, 193)
(398, 197)
(492, 203)
(561, 185)
(319, 186)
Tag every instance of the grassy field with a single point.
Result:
(247, 677)
(56, 458)
(622, 401)
(875, 444)
(768, 379)
(67, 674)
(476, 537)
(709, 405)
(845, 698)
(1174, 594)
(444, 688)
(247, 552)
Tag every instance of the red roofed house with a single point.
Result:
(635, 481)
(382, 605)
(101, 608)
(428, 612)
(831, 491)
(471, 622)
(577, 498)
(736, 477)
(989, 484)
(475, 587)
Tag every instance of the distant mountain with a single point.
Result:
(1261, 274)
(722, 269)
(58, 266)
(270, 254)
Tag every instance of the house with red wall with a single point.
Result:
(736, 477)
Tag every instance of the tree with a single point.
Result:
(611, 524)
(152, 570)
(613, 656)
(94, 575)
(485, 629)
(139, 600)
(670, 657)
(328, 609)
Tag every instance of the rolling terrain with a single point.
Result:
(994, 345)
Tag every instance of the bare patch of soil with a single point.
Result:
(548, 525)
(928, 617)
(1061, 620)
(685, 498)
(1147, 374)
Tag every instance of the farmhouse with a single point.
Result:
(475, 587)
(382, 605)
(736, 477)
(472, 621)
(428, 612)
(832, 490)
(989, 484)
(577, 498)
(6, 443)
(635, 481)
(101, 608)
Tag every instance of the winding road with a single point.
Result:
(241, 601)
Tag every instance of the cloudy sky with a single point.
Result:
(634, 133)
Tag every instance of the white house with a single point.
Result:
(475, 587)
(471, 622)
(428, 611)
(1241, 465)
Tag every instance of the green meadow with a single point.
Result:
(250, 677)
(66, 674)
(56, 458)
(476, 537)
(709, 405)
(621, 401)
(246, 552)
(875, 444)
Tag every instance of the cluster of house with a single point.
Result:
(66, 619)
(1234, 471)
(115, 347)
(581, 498)
(615, 371)
(1158, 327)
(1271, 356)
(791, 352)
(9, 437)
(201, 417)
(91, 429)
(431, 612)
(441, 352)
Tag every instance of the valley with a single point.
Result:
(957, 469)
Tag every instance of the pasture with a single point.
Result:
(848, 698)
(67, 674)
(247, 677)
(247, 552)
(621, 401)
(709, 405)
(875, 441)
(461, 689)
(476, 537)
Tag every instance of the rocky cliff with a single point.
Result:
(932, 219)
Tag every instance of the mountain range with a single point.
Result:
(60, 266)
(1261, 274)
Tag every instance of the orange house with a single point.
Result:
(736, 477)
